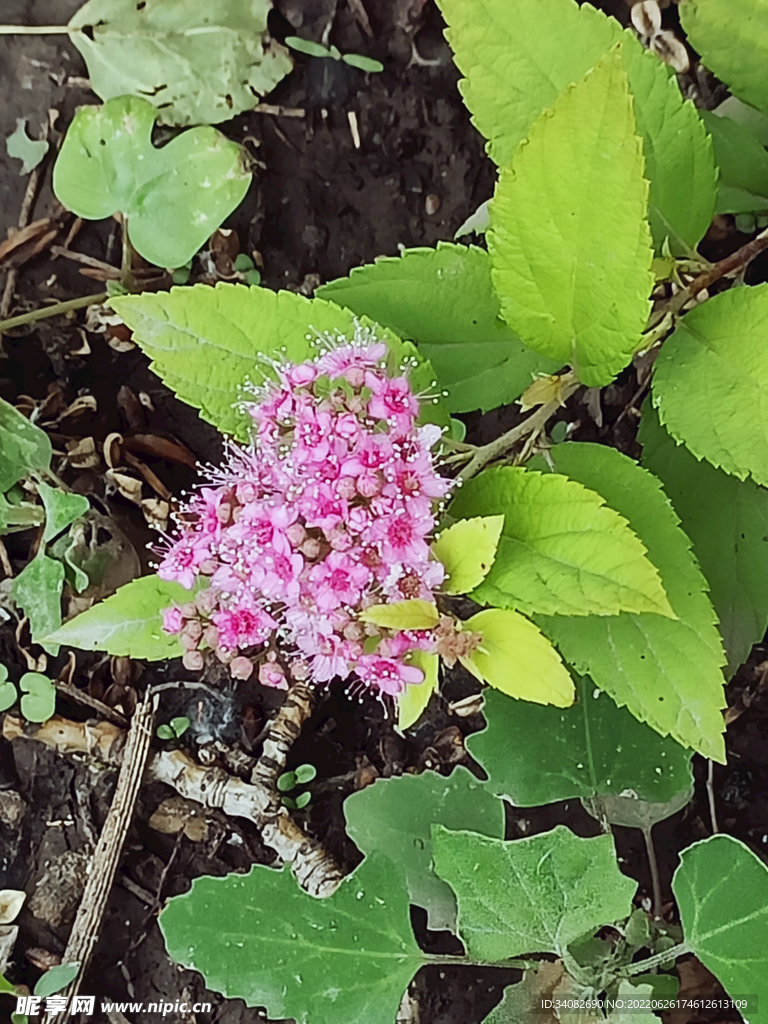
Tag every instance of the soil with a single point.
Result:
(319, 205)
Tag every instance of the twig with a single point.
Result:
(81, 697)
(12, 276)
(55, 310)
(276, 110)
(711, 796)
(641, 966)
(78, 257)
(736, 261)
(37, 30)
(85, 930)
(533, 423)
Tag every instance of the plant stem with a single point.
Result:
(533, 423)
(641, 966)
(655, 883)
(55, 310)
(37, 30)
(736, 261)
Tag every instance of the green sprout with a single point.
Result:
(354, 60)
(290, 780)
(174, 729)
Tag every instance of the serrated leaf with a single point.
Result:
(572, 264)
(258, 937)
(743, 164)
(412, 701)
(413, 614)
(562, 550)
(128, 623)
(721, 889)
(556, 888)
(727, 522)
(732, 38)
(467, 550)
(37, 591)
(24, 448)
(443, 299)
(174, 198)
(710, 382)
(200, 63)
(61, 509)
(19, 146)
(679, 158)
(592, 749)
(514, 67)
(394, 817)
(644, 661)
(516, 658)
(207, 342)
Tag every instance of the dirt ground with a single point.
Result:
(318, 207)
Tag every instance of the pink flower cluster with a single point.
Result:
(325, 514)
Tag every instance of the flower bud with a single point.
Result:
(241, 668)
(192, 660)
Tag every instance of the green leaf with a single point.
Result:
(38, 702)
(732, 38)
(302, 800)
(305, 773)
(644, 661)
(258, 937)
(412, 701)
(517, 659)
(207, 342)
(413, 614)
(367, 64)
(56, 978)
(7, 690)
(37, 591)
(556, 888)
(592, 749)
(174, 198)
(180, 725)
(679, 157)
(727, 522)
(24, 448)
(200, 63)
(307, 46)
(515, 67)
(630, 812)
(467, 550)
(721, 889)
(572, 266)
(743, 163)
(128, 623)
(61, 509)
(561, 550)
(165, 732)
(20, 147)
(443, 299)
(394, 817)
(710, 382)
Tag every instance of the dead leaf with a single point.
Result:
(156, 513)
(161, 448)
(8, 935)
(543, 390)
(646, 17)
(149, 475)
(23, 244)
(177, 814)
(82, 454)
(130, 406)
(43, 959)
(128, 486)
(11, 902)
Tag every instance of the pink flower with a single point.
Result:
(173, 620)
(386, 674)
(338, 580)
(243, 628)
(392, 400)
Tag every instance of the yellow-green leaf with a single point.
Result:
(572, 261)
(414, 614)
(516, 658)
(467, 550)
(415, 698)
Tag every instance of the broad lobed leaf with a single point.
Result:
(556, 888)
(24, 447)
(571, 263)
(258, 937)
(592, 749)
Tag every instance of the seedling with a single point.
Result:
(354, 60)
(174, 729)
(288, 781)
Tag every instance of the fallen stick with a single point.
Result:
(258, 801)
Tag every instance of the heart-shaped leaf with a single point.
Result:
(38, 702)
(174, 198)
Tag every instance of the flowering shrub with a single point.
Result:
(326, 514)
